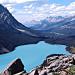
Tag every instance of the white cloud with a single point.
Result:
(32, 11)
(71, 7)
(10, 7)
(57, 9)
(14, 1)
(21, 1)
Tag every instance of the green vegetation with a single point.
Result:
(56, 73)
(72, 70)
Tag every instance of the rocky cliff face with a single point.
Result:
(56, 64)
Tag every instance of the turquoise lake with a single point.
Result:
(31, 55)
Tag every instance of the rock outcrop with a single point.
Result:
(56, 64)
(16, 67)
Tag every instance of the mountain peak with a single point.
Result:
(1, 8)
(4, 13)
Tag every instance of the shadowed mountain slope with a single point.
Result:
(13, 33)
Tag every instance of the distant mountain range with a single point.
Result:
(58, 30)
(52, 30)
(51, 22)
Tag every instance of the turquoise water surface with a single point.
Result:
(31, 55)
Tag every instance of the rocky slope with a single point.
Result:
(56, 64)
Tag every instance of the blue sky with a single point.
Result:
(28, 10)
(64, 2)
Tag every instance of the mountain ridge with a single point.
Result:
(10, 26)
